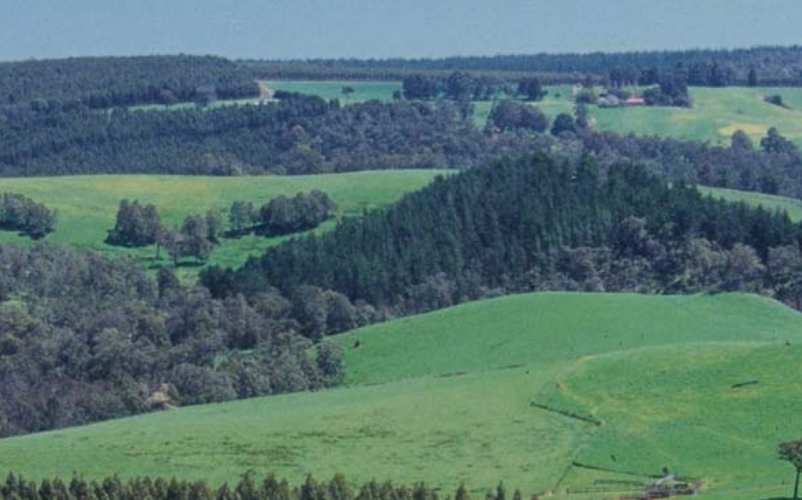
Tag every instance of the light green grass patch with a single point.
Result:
(87, 205)
(551, 328)
(473, 429)
(681, 407)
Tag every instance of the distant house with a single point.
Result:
(635, 101)
(576, 89)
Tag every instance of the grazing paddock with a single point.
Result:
(87, 205)
(447, 397)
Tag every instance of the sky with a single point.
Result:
(286, 29)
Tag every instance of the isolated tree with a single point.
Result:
(171, 240)
(562, 124)
(195, 238)
(792, 452)
(240, 216)
(214, 226)
(347, 90)
(582, 115)
(531, 89)
(741, 142)
(752, 78)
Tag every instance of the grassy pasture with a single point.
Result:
(87, 205)
(446, 397)
(681, 407)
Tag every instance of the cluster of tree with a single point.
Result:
(669, 87)
(20, 213)
(136, 226)
(503, 228)
(282, 215)
(247, 488)
(718, 67)
(85, 338)
(775, 99)
(139, 226)
(195, 238)
(461, 86)
(774, 167)
(457, 86)
(508, 116)
(105, 82)
(700, 74)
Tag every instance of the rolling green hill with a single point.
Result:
(87, 205)
(447, 397)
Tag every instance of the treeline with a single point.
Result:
(304, 135)
(249, 487)
(337, 70)
(106, 82)
(298, 135)
(716, 67)
(20, 213)
(139, 225)
(85, 338)
(526, 225)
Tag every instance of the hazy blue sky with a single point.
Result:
(385, 28)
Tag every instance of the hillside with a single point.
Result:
(771, 202)
(87, 205)
(547, 328)
(625, 358)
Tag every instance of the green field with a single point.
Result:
(87, 205)
(716, 114)
(447, 397)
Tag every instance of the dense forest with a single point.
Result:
(534, 224)
(298, 135)
(305, 135)
(771, 66)
(85, 338)
(105, 82)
